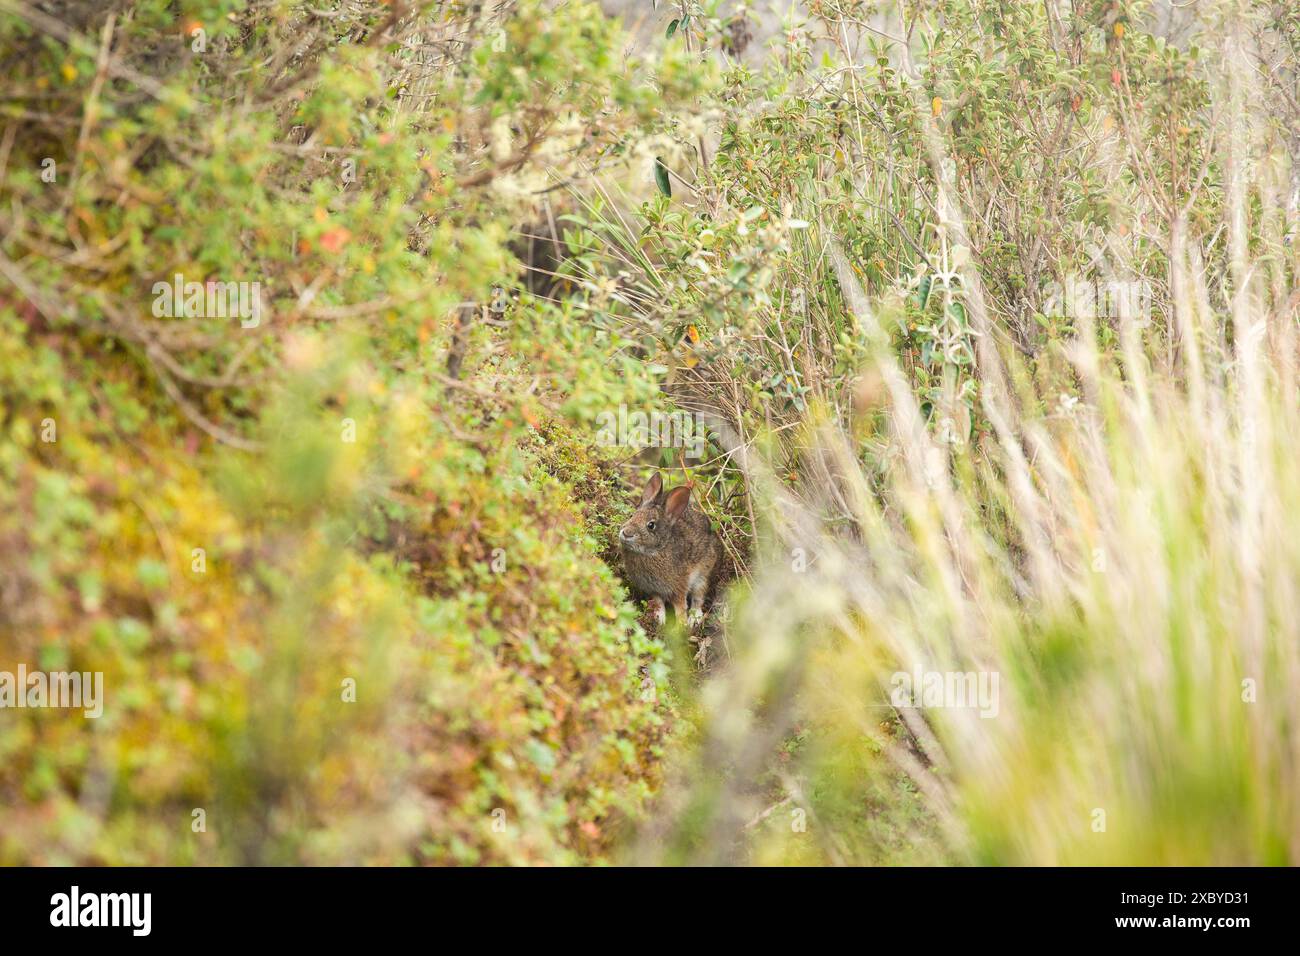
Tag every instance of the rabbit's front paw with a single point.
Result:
(656, 606)
(694, 618)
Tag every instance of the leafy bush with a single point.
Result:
(343, 601)
(347, 563)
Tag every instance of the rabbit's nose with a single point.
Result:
(622, 534)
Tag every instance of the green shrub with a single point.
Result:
(276, 538)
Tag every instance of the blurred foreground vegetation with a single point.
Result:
(348, 567)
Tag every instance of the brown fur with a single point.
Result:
(676, 561)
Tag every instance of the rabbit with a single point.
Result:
(670, 552)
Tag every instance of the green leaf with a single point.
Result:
(672, 28)
(661, 178)
(923, 292)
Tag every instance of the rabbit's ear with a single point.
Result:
(652, 489)
(676, 502)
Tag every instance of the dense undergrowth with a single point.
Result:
(346, 593)
(997, 302)
(989, 308)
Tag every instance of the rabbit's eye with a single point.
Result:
(650, 526)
